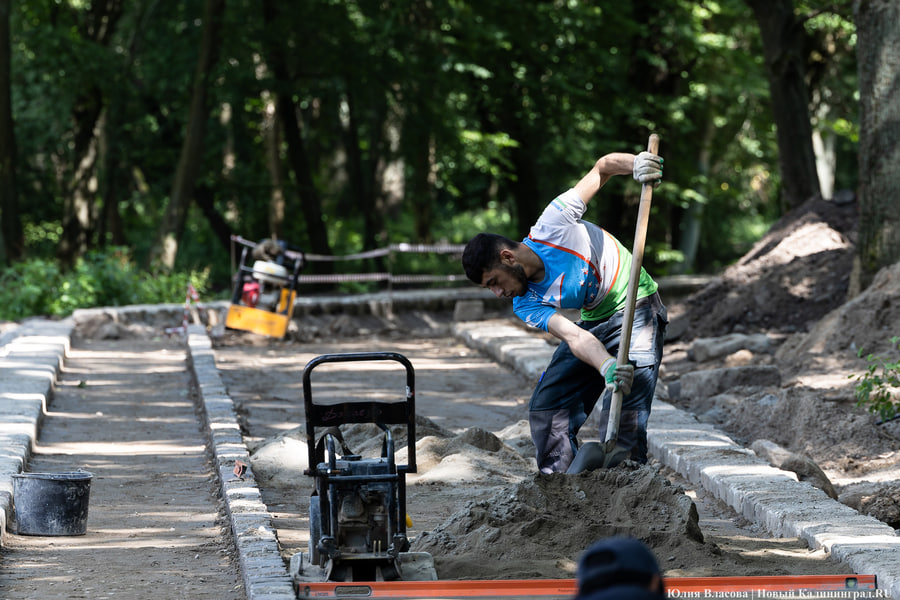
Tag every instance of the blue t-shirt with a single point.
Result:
(584, 266)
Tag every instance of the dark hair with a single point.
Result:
(482, 254)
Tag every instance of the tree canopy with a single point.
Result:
(342, 125)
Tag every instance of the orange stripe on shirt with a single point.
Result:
(593, 268)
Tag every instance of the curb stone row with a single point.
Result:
(31, 357)
(262, 568)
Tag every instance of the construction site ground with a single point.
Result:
(124, 411)
(162, 420)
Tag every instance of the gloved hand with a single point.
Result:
(618, 377)
(648, 168)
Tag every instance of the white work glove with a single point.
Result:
(618, 377)
(648, 168)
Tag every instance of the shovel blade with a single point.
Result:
(615, 455)
(594, 455)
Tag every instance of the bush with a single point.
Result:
(107, 277)
(875, 390)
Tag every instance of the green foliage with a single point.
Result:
(43, 238)
(102, 278)
(876, 389)
(447, 117)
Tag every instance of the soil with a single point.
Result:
(476, 501)
(792, 287)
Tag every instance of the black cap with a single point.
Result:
(617, 561)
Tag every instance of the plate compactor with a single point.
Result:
(265, 290)
(357, 510)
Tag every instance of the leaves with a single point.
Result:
(461, 114)
(101, 278)
(876, 389)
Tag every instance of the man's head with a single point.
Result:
(489, 260)
(618, 561)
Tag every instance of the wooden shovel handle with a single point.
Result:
(637, 257)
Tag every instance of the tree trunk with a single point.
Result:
(422, 180)
(78, 202)
(75, 177)
(693, 216)
(366, 173)
(205, 197)
(13, 238)
(111, 228)
(362, 186)
(783, 39)
(165, 249)
(524, 185)
(311, 204)
(78, 168)
(113, 173)
(826, 161)
(298, 157)
(272, 141)
(878, 59)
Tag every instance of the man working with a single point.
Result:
(564, 263)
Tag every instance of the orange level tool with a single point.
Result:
(683, 587)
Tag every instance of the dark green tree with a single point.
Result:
(11, 234)
(174, 218)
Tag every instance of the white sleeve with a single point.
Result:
(564, 210)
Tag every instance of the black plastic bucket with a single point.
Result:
(52, 503)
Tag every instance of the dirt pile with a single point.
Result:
(867, 322)
(812, 410)
(531, 525)
(474, 456)
(471, 456)
(540, 526)
(795, 275)
(792, 287)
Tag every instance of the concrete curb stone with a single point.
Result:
(262, 568)
(30, 361)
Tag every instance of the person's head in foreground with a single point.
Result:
(619, 567)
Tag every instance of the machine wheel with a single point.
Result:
(315, 530)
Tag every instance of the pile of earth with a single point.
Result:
(514, 523)
(796, 389)
(472, 456)
(537, 528)
(792, 277)
(528, 525)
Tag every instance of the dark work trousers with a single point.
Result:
(569, 389)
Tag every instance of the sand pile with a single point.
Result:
(471, 456)
(540, 526)
(531, 525)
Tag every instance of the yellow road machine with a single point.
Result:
(265, 287)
